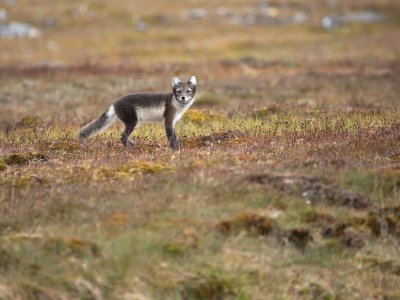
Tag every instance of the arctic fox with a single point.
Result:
(138, 108)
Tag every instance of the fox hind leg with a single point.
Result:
(130, 121)
(126, 141)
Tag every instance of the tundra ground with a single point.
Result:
(286, 184)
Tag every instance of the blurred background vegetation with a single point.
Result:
(137, 32)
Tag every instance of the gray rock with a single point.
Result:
(49, 22)
(18, 30)
(299, 18)
(198, 13)
(141, 26)
(223, 11)
(11, 2)
(264, 19)
(328, 23)
(3, 15)
(263, 4)
(363, 17)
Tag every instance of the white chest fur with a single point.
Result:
(180, 110)
(150, 114)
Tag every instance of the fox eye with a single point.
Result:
(178, 91)
(189, 91)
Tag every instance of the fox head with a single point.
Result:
(184, 91)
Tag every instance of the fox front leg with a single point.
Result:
(171, 136)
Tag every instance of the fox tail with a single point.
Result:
(99, 125)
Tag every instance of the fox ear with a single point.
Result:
(192, 80)
(175, 81)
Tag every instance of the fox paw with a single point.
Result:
(174, 146)
(128, 143)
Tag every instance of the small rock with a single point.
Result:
(263, 4)
(11, 2)
(141, 26)
(79, 11)
(3, 15)
(198, 13)
(271, 12)
(362, 17)
(49, 22)
(328, 23)
(222, 11)
(18, 30)
(299, 18)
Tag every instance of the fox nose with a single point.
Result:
(182, 98)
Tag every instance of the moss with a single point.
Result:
(196, 116)
(383, 224)
(199, 118)
(211, 287)
(146, 167)
(349, 236)
(315, 291)
(196, 164)
(252, 223)
(173, 249)
(15, 159)
(20, 159)
(300, 237)
(3, 166)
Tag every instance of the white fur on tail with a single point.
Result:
(99, 125)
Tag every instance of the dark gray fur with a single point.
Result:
(127, 106)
